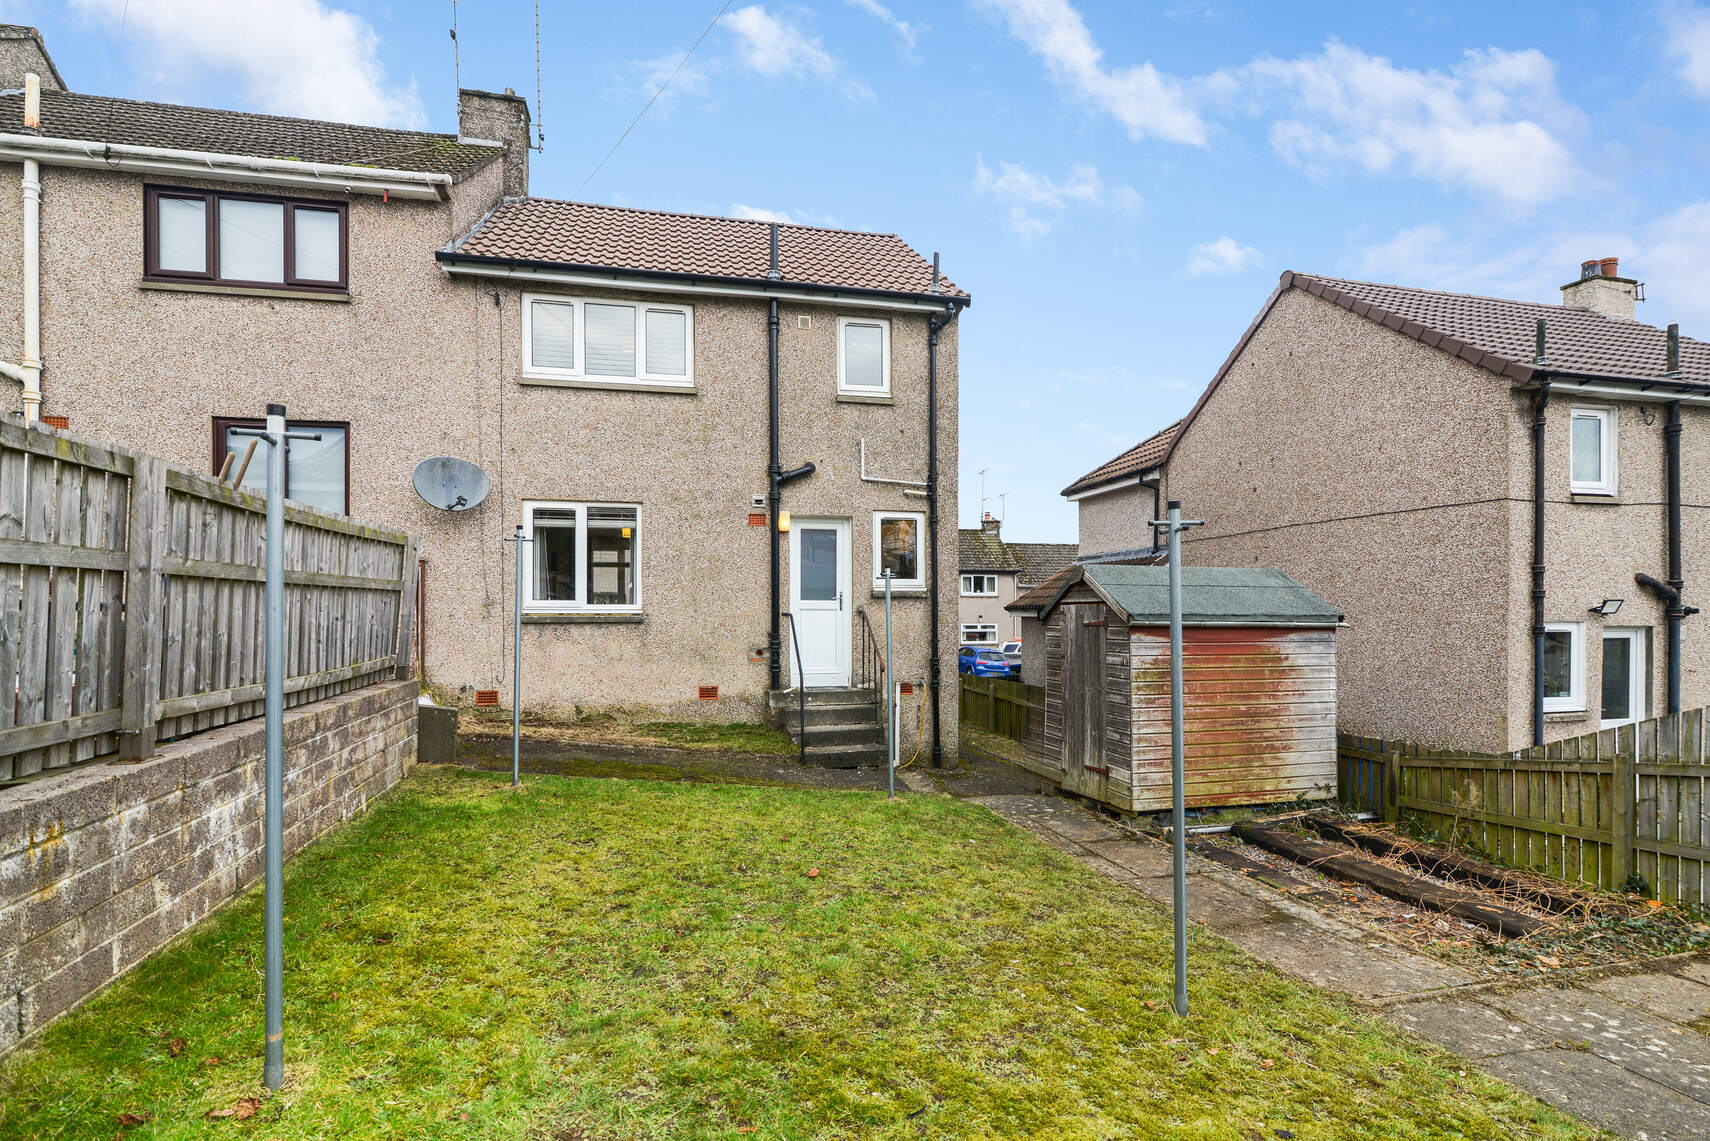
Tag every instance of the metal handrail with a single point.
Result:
(872, 659)
(801, 691)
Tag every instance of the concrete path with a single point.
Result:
(1617, 1051)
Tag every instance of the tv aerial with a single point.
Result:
(451, 484)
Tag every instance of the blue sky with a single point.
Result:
(1118, 184)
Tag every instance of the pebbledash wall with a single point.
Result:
(103, 864)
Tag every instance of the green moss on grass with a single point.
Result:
(632, 959)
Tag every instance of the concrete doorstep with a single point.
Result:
(1617, 1051)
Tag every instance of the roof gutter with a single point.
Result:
(225, 167)
(562, 273)
(1101, 488)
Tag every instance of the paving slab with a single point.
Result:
(1335, 963)
(1604, 1093)
(1666, 995)
(1630, 1038)
(1698, 971)
(1468, 1026)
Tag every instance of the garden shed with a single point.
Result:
(1259, 686)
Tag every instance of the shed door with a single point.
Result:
(1083, 698)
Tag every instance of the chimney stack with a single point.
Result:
(485, 116)
(1601, 289)
(990, 525)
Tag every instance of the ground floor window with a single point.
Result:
(1623, 677)
(583, 556)
(979, 633)
(897, 547)
(1564, 667)
(317, 472)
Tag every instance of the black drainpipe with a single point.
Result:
(776, 476)
(1671, 591)
(1157, 505)
(1540, 402)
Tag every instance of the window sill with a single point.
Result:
(901, 592)
(588, 619)
(862, 398)
(1566, 718)
(609, 385)
(340, 296)
(1595, 498)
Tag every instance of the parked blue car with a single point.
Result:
(982, 661)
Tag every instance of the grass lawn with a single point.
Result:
(610, 958)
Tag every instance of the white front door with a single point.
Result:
(1623, 677)
(820, 599)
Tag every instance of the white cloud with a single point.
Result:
(1223, 256)
(906, 32)
(1688, 40)
(1147, 102)
(1490, 123)
(778, 49)
(289, 57)
(1035, 199)
(759, 213)
(686, 80)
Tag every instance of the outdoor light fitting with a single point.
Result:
(1609, 607)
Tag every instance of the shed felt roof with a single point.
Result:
(979, 550)
(584, 234)
(132, 122)
(1492, 333)
(1211, 596)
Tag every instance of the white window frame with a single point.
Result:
(1574, 701)
(1610, 482)
(917, 583)
(580, 605)
(972, 585)
(1638, 675)
(884, 324)
(578, 375)
(988, 626)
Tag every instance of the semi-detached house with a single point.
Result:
(655, 397)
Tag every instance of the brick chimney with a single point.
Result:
(21, 53)
(1602, 289)
(990, 525)
(495, 118)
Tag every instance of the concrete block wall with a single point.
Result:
(102, 864)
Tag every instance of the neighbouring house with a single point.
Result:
(714, 433)
(994, 572)
(1506, 499)
(1259, 689)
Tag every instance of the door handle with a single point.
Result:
(840, 600)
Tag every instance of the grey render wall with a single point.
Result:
(1116, 520)
(102, 864)
(1315, 455)
(990, 607)
(423, 364)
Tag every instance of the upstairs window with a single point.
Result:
(979, 585)
(585, 557)
(317, 472)
(244, 239)
(1593, 460)
(608, 342)
(863, 356)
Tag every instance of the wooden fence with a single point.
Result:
(1595, 809)
(1001, 706)
(131, 601)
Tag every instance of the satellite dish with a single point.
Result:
(451, 484)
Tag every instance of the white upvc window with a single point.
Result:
(899, 544)
(595, 341)
(979, 585)
(581, 557)
(1592, 463)
(1564, 667)
(978, 633)
(863, 356)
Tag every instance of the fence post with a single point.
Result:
(144, 613)
(1390, 809)
(407, 611)
(1621, 800)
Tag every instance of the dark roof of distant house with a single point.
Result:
(1211, 596)
(980, 550)
(1039, 561)
(1041, 595)
(1492, 333)
(1148, 453)
(131, 122)
(548, 232)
